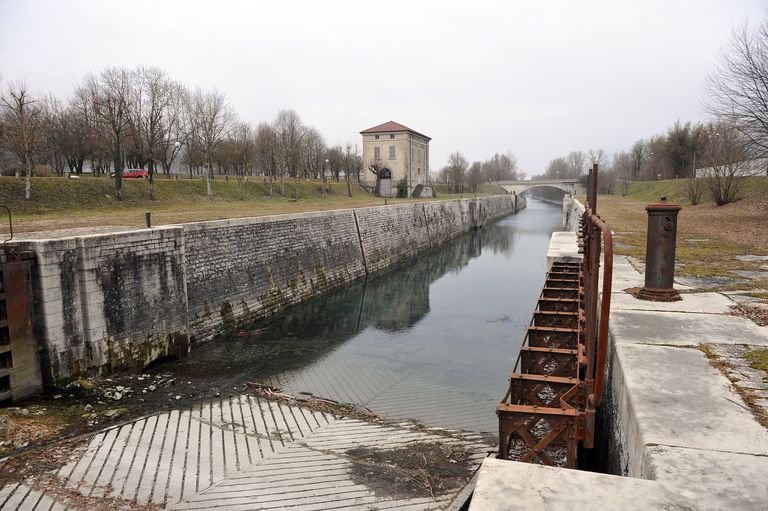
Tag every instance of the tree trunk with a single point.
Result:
(282, 184)
(152, 181)
(28, 180)
(239, 187)
(324, 183)
(349, 184)
(118, 158)
(208, 177)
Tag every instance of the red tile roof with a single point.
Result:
(389, 127)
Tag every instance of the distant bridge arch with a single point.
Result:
(572, 186)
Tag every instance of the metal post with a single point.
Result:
(593, 187)
(148, 218)
(660, 253)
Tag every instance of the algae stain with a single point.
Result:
(227, 317)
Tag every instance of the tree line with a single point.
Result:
(140, 118)
(732, 144)
(460, 176)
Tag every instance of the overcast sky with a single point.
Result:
(536, 78)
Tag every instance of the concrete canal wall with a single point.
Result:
(572, 212)
(107, 302)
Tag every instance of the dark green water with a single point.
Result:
(431, 340)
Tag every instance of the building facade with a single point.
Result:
(401, 157)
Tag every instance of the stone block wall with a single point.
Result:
(58, 325)
(108, 302)
(445, 220)
(121, 300)
(390, 234)
(251, 268)
(572, 213)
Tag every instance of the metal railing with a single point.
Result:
(598, 244)
(559, 374)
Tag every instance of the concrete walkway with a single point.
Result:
(679, 427)
(241, 452)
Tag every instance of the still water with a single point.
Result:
(431, 340)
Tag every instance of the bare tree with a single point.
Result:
(693, 190)
(24, 122)
(558, 168)
(622, 170)
(267, 153)
(738, 88)
(598, 156)
(352, 163)
(475, 175)
(244, 152)
(501, 167)
(313, 155)
(55, 134)
(457, 171)
(108, 95)
(725, 153)
(212, 117)
(288, 130)
(83, 137)
(154, 101)
(177, 127)
(576, 161)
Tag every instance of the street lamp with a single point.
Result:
(327, 161)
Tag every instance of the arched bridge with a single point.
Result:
(571, 186)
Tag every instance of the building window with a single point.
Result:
(391, 152)
(376, 152)
(376, 136)
(419, 170)
(391, 136)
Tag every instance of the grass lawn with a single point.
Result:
(709, 237)
(60, 203)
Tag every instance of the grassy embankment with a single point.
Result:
(60, 203)
(709, 237)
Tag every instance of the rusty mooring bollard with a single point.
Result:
(660, 253)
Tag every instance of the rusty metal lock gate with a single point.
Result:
(549, 406)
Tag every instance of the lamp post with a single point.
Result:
(327, 161)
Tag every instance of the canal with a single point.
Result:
(432, 340)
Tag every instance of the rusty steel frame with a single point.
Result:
(558, 378)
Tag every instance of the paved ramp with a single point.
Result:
(241, 452)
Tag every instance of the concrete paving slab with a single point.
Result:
(706, 303)
(677, 398)
(704, 282)
(626, 275)
(712, 479)
(504, 485)
(684, 329)
(563, 247)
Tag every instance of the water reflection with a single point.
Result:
(393, 301)
(432, 339)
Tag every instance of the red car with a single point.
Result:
(132, 174)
